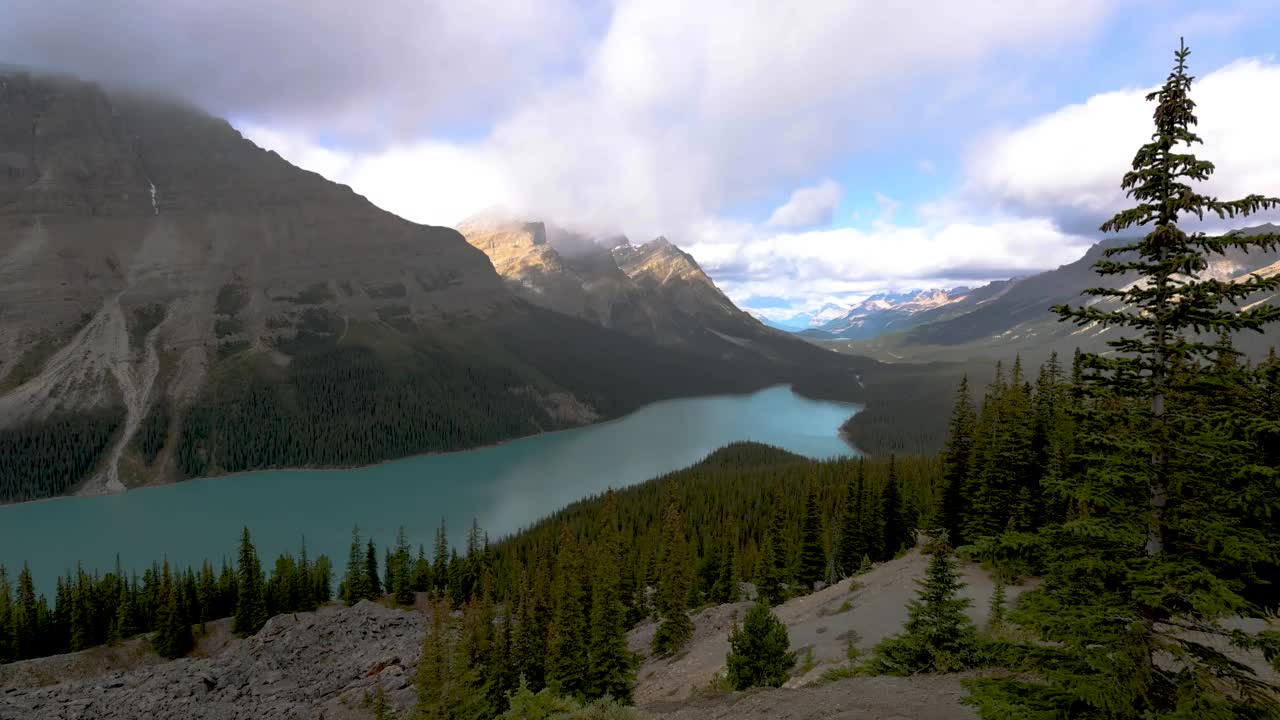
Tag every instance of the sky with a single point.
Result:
(804, 153)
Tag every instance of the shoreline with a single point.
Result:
(855, 408)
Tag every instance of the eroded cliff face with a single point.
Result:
(131, 228)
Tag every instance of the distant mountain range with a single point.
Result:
(878, 314)
(653, 291)
(1008, 317)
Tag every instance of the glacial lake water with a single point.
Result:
(506, 487)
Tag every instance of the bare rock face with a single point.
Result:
(653, 291)
(307, 665)
(122, 215)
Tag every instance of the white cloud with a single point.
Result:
(427, 182)
(1069, 163)
(683, 110)
(811, 268)
(377, 70)
(808, 207)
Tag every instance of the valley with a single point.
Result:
(292, 427)
(506, 487)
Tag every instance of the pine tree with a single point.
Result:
(675, 628)
(8, 652)
(173, 635)
(725, 589)
(1160, 533)
(251, 607)
(434, 671)
(355, 584)
(759, 651)
(851, 543)
(938, 636)
(957, 460)
(897, 534)
(532, 629)
(26, 617)
(401, 577)
(771, 572)
(440, 564)
(612, 670)
(371, 570)
(125, 622)
(208, 593)
(569, 631)
(813, 548)
(422, 572)
(469, 692)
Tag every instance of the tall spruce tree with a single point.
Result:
(355, 584)
(8, 652)
(440, 560)
(612, 669)
(26, 617)
(569, 631)
(771, 565)
(725, 588)
(896, 533)
(402, 582)
(675, 628)
(433, 671)
(813, 547)
(957, 459)
(1170, 493)
(371, 570)
(759, 651)
(851, 543)
(251, 606)
(938, 636)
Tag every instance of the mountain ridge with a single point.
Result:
(1013, 316)
(178, 302)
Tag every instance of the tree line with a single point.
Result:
(173, 605)
(40, 459)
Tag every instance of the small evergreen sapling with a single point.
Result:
(938, 636)
(759, 654)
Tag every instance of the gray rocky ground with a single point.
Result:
(308, 665)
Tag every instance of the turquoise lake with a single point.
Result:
(506, 487)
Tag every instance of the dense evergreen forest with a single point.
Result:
(38, 460)
(348, 406)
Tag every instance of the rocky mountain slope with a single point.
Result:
(1012, 316)
(653, 291)
(176, 301)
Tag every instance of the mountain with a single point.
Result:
(654, 291)
(1012, 316)
(881, 313)
(804, 320)
(176, 302)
